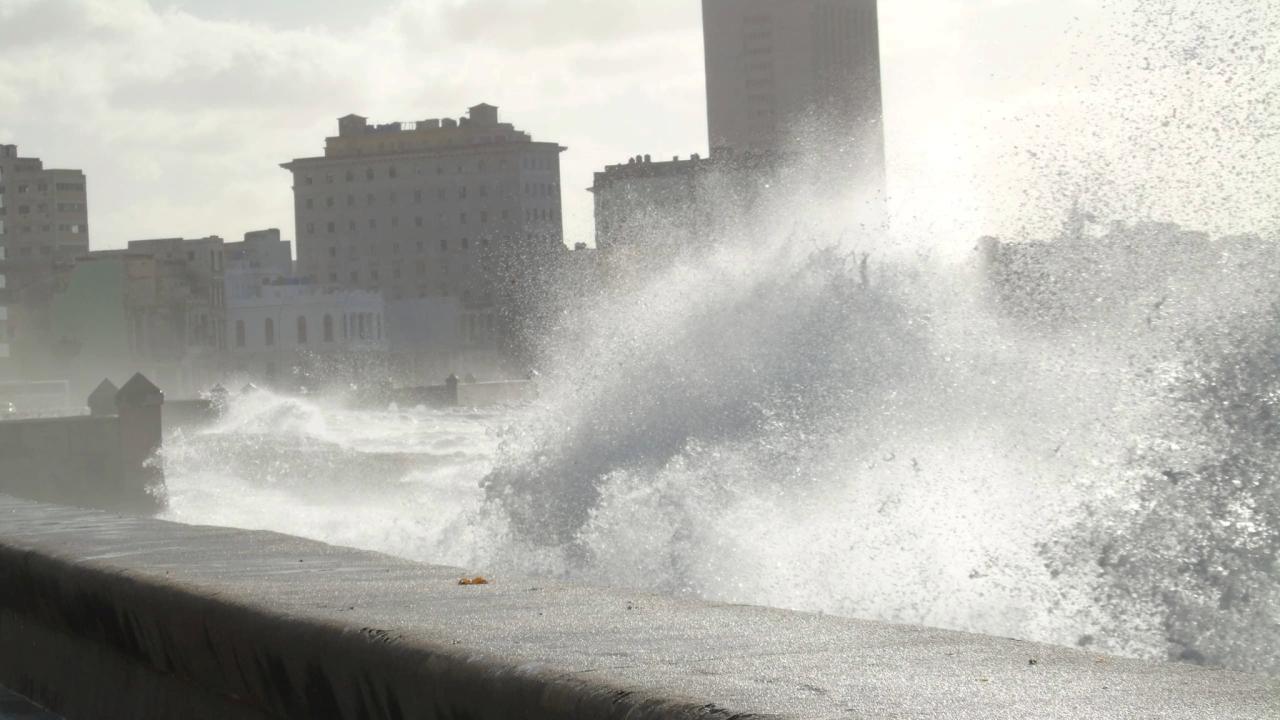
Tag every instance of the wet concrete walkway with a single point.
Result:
(207, 623)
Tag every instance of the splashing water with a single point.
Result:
(767, 421)
(1072, 442)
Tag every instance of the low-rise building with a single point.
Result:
(292, 332)
(645, 205)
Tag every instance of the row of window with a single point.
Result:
(464, 244)
(392, 172)
(393, 197)
(364, 326)
(530, 215)
(44, 188)
(44, 249)
(43, 208)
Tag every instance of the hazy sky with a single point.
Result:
(999, 112)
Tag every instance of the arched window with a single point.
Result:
(328, 328)
(239, 333)
(302, 330)
(270, 329)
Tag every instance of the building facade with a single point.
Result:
(295, 333)
(468, 209)
(6, 364)
(797, 78)
(647, 206)
(44, 225)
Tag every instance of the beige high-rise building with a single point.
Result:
(445, 208)
(798, 78)
(44, 224)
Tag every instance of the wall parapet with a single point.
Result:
(107, 459)
(107, 616)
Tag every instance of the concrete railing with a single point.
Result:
(110, 617)
(107, 459)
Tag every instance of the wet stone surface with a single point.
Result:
(15, 707)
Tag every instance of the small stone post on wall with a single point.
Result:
(139, 404)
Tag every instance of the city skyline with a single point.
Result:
(179, 112)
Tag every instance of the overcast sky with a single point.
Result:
(1000, 113)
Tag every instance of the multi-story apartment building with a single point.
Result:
(6, 365)
(799, 78)
(43, 225)
(464, 208)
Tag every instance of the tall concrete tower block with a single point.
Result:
(798, 78)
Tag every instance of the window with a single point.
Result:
(302, 330)
(269, 328)
(444, 244)
(328, 328)
(351, 200)
(418, 221)
(333, 252)
(417, 196)
(240, 333)
(328, 202)
(373, 223)
(351, 176)
(332, 228)
(369, 200)
(333, 277)
(394, 197)
(462, 218)
(392, 171)
(310, 203)
(311, 228)
(368, 174)
(465, 243)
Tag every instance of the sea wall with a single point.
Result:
(104, 616)
(489, 394)
(105, 460)
(192, 414)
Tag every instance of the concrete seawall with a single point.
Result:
(105, 460)
(114, 617)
